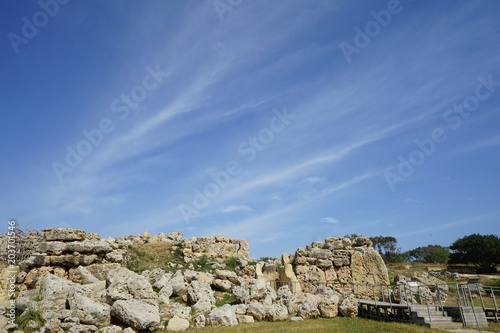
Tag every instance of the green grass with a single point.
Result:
(339, 324)
(30, 316)
(203, 264)
(222, 298)
(231, 264)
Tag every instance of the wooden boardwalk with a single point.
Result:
(426, 315)
(384, 310)
(473, 304)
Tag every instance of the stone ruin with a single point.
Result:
(77, 281)
(194, 247)
(214, 247)
(339, 262)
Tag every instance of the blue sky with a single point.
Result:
(278, 122)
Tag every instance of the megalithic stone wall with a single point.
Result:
(214, 247)
(339, 260)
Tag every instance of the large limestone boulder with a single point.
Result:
(177, 324)
(284, 294)
(82, 275)
(55, 290)
(328, 306)
(139, 315)
(213, 247)
(266, 271)
(116, 256)
(89, 311)
(175, 236)
(368, 267)
(85, 246)
(287, 276)
(111, 329)
(190, 275)
(227, 275)
(349, 307)
(423, 278)
(34, 277)
(176, 309)
(22, 303)
(222, 285)
(179, 285)
(72, 260)
(90, 246)
(223, 316)
(361, 241)
(277, 312)
(101, 271)
(309, 307)
(244, 319)
(64, 234)
(257, 311)
(83, 329)
(201, 296)
(165, 293)
(294, 302)
(124, 284)
(311, 276)
(254, 290)
(199, 320)
(52, 326)
(162, 280)
(240, 309)
(35, 260)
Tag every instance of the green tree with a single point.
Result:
(483, 251)
(351, 236)
(387, 247)
(432, 254)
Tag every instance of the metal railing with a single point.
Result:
(457, 299)
(467, 295)
(492, 292)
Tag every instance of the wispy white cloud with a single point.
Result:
(483, 144)
(304, 167)
(350, 182)
(225, 78)
(273, 219)
(232, 209)
(314, 179)
(329, 220)
(448, 225)
(252, 227)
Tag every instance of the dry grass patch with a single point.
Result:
(408, 268)
(339, 324)
(154, 255)
(493, 327)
